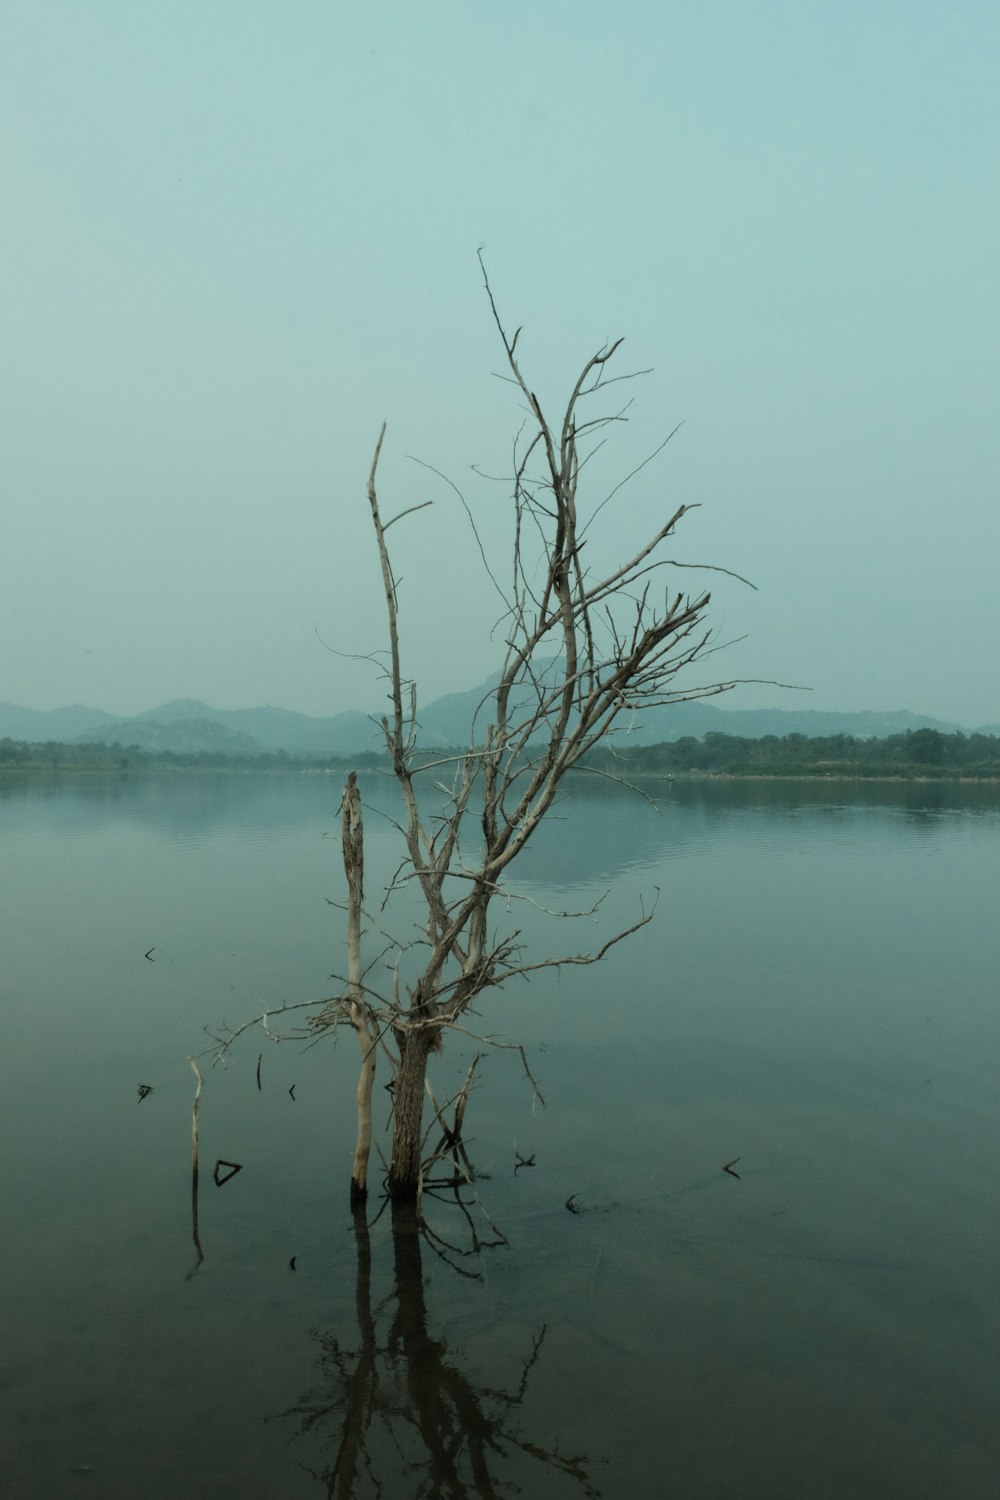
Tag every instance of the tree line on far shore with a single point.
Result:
(917, 753)
(55, 755)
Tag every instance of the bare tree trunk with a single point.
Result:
(407, 1135)
(352, 838)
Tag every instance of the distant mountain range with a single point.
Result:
(187, 726)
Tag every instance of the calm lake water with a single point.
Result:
(817, 996)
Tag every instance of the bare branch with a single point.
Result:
(408, 512)
(583, 959)
(475, 532)
(619, 781)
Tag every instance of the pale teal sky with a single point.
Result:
(235, 236)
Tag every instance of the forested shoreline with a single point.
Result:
(924, 754)
(919, 753)
(53, 755)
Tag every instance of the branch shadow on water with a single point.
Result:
(396, 1405)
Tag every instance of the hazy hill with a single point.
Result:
(37, 724)
(181, 736)
(698, 719)
(446, 721)
(186, 724)
(278, 728)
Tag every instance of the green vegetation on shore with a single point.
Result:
(925, 753)
(53, 755)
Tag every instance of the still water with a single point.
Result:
(817, 997)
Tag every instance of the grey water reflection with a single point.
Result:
(600, 830)
(595, 831)
(393, 1402)
(818, 994)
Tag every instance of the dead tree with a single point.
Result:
(584, 646)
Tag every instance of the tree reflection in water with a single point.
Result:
(398, 1402)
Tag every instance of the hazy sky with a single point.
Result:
(237, 234)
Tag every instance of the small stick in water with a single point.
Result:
(194, 1168)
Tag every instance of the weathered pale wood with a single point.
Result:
(353, 842)
(196, 1237)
